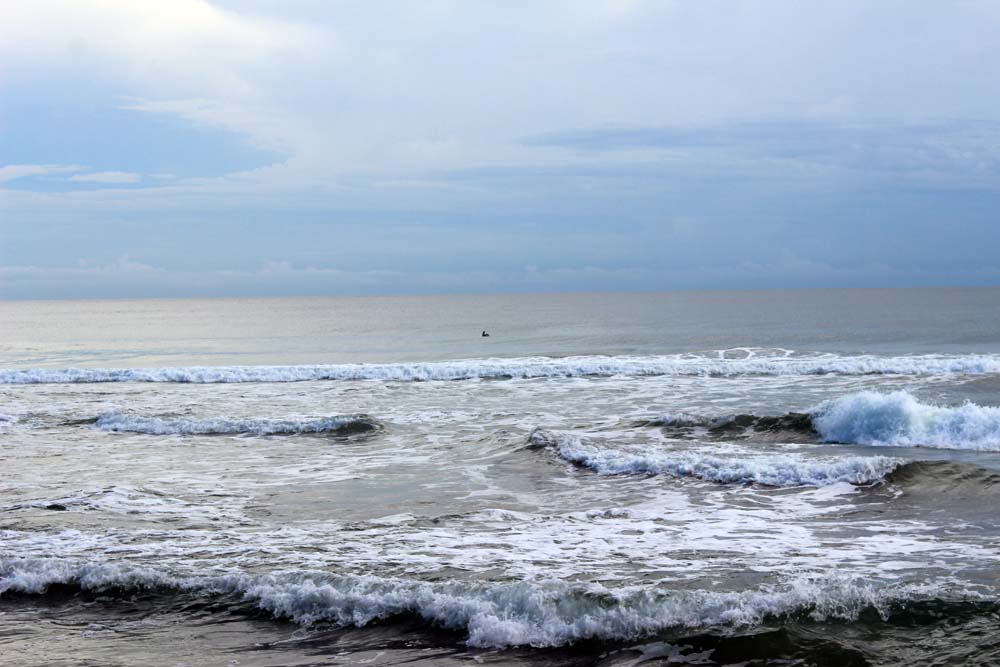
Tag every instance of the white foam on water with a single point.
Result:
(899, 419)
(785, 470)
(493, 615)
(187, 426)
(532, 367)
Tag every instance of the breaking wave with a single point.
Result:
(899, 419)
(338, 425)
(863, 418)
(492, 615)
(533, 367)
(784, 470)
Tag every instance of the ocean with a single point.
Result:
(703, 478)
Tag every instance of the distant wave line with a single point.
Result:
(530, 367)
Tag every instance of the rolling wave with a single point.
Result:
(531, 367)
(785, 470)
(338, 425)
(492, 615)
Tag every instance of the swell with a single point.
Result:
(941, 480)
(790, 427)
(530, 367)
(492, 615)
(336, 425)
(784, 470)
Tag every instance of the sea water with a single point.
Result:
(702, 478)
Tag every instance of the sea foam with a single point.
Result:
(493, 615)
(785, 470)
(899, 419)
(530, 367)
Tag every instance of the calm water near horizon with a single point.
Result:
(705, 478)
(313, 330)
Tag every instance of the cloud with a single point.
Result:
(127, 278)
(181, 50)
(795, 138)
(107, 177)
(266, 129)
(182, 44)
(14, 171)
(596, 141)
(959, 151)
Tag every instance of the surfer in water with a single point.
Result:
(485, 335)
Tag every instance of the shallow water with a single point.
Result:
(321, 481)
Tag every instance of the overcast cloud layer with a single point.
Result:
(309, 147)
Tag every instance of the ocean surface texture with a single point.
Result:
(781, 478)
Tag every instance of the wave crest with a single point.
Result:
(493, 615)
(785, 470)
(863, 418)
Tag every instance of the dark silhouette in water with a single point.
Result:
(485, 335)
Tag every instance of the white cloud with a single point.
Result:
(266, 128)
(107, 177)
(183, 49)
(157, 45)
(11, 172)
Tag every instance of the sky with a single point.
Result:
(315, 147)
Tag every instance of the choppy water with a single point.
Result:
(724, 478)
